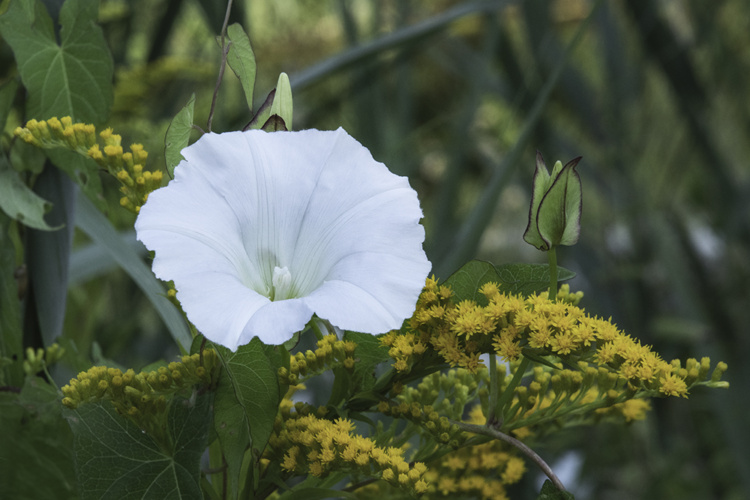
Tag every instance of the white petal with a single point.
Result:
(310, 213)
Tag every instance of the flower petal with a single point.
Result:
(247, 209)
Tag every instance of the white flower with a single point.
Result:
(259, 231)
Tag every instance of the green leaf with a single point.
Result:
(20, 202)
(247, 399)
(114, 458)
(71, 79)
(7, 93)
(11, 335)
(523, 279)
(467, 281)
(178, 135)
(100, 229)
(282, 101)
(527, 279)
(84, 172)
(263, 114)
(48, 254)
(316, 494)
(550, 492)
(242, 60)
(274, 124)
(35, 445)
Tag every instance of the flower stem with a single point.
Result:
(507, 396)
(552, 256)
(494, 391)
(531, 454)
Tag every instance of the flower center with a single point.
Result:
(282, 284)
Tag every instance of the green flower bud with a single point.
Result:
(555, 211)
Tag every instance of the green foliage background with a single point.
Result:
(458, 96)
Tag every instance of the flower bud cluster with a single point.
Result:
(126, 167)
(437, 398)
(306, 443)
(331, 352)
(480, 471)
(141, 394)
(40, 359)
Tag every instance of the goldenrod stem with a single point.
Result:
(494, 391)
(485, 431)
(552, 257)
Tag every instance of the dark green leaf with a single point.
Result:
(35, 445)
(466, 282)
(242, 60)
(316, 494)
(83, 171)
(7, 93)
(263, 113)
(527, 279)
(115, 459)
(274, 124)
(71, 79)
(20, 202)
(247, 399)
(369, 353)
(178, 135)
(11, 335)
(48, 253)
(98, 227)
(550, 492)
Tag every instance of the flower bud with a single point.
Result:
(555, 211)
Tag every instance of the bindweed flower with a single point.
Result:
(259, 231)
(555, 211)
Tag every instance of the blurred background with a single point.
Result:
(458, 96)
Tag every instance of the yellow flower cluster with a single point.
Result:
(127, 167)
(306, 443)
(330, 352)
(510, 325)
(135, 394)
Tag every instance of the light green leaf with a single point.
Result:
(282, 101)
(242, 60)
(98, 227)
(178, 135)
(247, 399)
(73, 78)
(529, 278)
(20, 202)
(115, 459)
(559, 217)
(540, 184)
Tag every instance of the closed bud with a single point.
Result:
(555, 211)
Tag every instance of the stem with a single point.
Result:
(505, 399)
(531, 454)
(222, 67)
(552, 256)
(494, 391)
